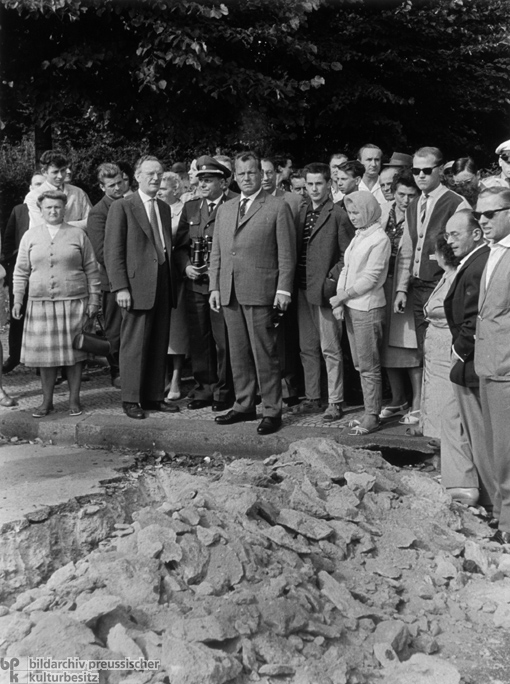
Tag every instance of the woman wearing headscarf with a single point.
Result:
(361, 301)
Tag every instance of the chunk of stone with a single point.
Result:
(501, 616)
(190, 515)
(193, 564)
(208, 535)
(157, 541)
(244, 471)
(279, 536)
(42, 603)
(119, 641)
(303, 502)
(55, 634)
(426, 644)
(404, 538)
(341, 503)
(25, 599)
(135, 580)
(204, 629)
(323, 455)
(61, 576)
(13, 627)
(423, 669)
(304, 524)
(342, 598)
(385, 654)
(188, 663)
(474, 552)
(445, 569)
(274, 670)
(224, 570)
(422, 487)
(394, 633)
(360, 482)
(283, 616)
(504, 565)
(99, 605)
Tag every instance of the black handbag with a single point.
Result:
(92, 342)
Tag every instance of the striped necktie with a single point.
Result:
(423, 210)
(155, 231)
(242, 207)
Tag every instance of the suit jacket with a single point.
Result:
(294, 201)
(330, 238)
(16, 227)
(196, 222)
(95, 229)
(130, 254)
(492, 350)
(257, 254)
(461, 309)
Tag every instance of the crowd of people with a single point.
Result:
(251, 269)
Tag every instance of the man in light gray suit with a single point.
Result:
(492, 348)
(251, 274)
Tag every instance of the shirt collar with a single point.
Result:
(145, 198)
(464, 259)
(436, 192)
(251, 197)
(505, 243)
(366, 232)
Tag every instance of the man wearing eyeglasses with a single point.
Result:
(502, 180)
(426, 218)
(492, 350)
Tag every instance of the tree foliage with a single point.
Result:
(308, 76)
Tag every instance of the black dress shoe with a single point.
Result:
(160, 406)
(222, 405)
(268, 425)
(292, 401)
(199, 403)
(133, 410)
(501, 537)
(235, 417)
(9, 365)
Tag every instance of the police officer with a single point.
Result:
(208, 333)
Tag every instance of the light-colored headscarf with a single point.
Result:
(366, 204)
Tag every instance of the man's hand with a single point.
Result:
(214, 301)
(194, 272)
(400, 302)
(16, 312)
(281, 301)
(123, 298)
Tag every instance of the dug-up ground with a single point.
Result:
(322, 565)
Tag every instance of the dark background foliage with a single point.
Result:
(110, 79)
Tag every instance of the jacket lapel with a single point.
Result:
(141, 216)
(323, 216)
(254, 207)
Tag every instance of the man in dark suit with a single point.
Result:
(15, 228)
(492, 351)
(324, 234)
(111, 182)
(251, 274)
(468, 481)
(139, 262)
(210, 360)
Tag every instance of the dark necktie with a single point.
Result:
(155, 231)
(211, 206)
(423, 211)
(242, 207)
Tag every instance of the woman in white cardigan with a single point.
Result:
(57, 264)
(361, 301)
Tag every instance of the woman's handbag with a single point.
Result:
(92, 342)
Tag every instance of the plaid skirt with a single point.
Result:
(49, 330)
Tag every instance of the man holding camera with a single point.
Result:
(208, 333)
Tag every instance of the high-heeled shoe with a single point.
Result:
(7, 402)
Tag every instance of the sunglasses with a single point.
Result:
(488, 214)
(505, 156)
(427, 170)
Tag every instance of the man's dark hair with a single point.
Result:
(248, 156)
(318, 167)
(53, 195)
(354, 168)
(464, 164)
(53, 158)
(403, 177)
(281, 160)
(271, 160)
(446, 251)
(107, 170)
(300, 173)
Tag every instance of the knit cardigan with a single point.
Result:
(55, 269)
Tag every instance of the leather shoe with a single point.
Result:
(9, 365)
(221, 405)
(268, 425)
(465, 495)
(160, 406)
(133, 410)
(501, 537)
(198, 404)
(292, 401)
(235, 417)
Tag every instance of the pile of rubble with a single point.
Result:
(323, 565)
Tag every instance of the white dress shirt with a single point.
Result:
(146, 199)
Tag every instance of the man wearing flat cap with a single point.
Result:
(210, 360)
(501, 180)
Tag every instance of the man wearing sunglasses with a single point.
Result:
(492, 350)
(426, 218)
(502, 180)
